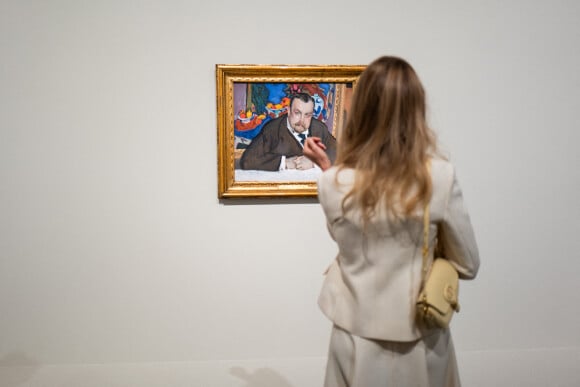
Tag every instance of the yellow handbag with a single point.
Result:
(438, 299)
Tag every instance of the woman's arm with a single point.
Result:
(457, 236)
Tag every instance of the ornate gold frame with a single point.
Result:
(226, 76)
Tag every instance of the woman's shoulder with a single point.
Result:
(442, 169)
(438, 162)
(335, 182)
(443, 177)
(336, 175)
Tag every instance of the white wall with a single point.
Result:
(120, 267)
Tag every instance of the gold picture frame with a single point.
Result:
(248, 96)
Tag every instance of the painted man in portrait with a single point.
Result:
(279, 144)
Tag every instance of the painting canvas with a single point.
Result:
(253, 106)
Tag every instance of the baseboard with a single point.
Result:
(509, 368)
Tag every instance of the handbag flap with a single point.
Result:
(442, 287)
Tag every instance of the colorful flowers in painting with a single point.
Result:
(249, 119)
(277, 109)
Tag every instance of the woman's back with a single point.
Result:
(372, 287)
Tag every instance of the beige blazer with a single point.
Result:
(371, 288)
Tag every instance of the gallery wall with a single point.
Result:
(119, 266)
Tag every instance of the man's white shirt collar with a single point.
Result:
(295, 133)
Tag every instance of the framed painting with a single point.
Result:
(264, 112)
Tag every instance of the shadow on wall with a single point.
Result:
(262, 377)
(16, 368)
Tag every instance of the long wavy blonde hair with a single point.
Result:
(387, 141)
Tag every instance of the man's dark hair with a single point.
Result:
(302, 97)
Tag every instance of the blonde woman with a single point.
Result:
(387, 171)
